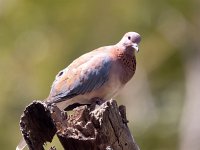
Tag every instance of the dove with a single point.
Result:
(96, 76)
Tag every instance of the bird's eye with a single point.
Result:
(129, 37)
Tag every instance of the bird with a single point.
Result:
(95, 76)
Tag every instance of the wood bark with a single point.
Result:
(93, 127)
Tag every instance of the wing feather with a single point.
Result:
(86, 77)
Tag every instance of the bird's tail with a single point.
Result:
(22, 144)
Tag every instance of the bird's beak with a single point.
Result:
(135, 46)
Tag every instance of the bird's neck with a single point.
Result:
(128, 62)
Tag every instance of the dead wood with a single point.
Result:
(94, 127)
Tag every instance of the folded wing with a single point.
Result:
(80, 77)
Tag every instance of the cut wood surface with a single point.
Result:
(94, 127)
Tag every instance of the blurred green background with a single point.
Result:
(38, 38)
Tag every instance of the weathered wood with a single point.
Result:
(94, 127)
(37, 126)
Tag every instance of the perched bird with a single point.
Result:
(97, 75)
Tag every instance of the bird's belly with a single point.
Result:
(106, 92)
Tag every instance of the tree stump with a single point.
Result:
(94, 127)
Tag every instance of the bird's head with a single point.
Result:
(130, 40)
